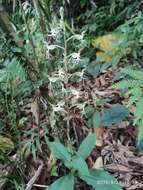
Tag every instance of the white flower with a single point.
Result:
(76, 56)
(61, 74)
(74, 92)
(51, 47)
(59, 107)
(53, 32)
(25, 5)
(53, 79)
(80, 74)
(79, 36)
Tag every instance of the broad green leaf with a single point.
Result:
(114, 115)
(79, 164)
(93, 69)
(86, 146)
(89, 110)
(63, 183)
(94, 121)
(61, 152)
(101, 180)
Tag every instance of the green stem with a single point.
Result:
(66, 82)
(30, 36)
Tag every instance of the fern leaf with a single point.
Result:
(139, 111)
(126, 84)
(135, 74)
(140, 136)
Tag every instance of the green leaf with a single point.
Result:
(139, 121)
(79, 164)
(63, 183)
(93, 69)
(17, 49)
(114, 115)
(86, 146)
(139, 111)
(61, 152)
(135, 74)
(94, 121)
(115, 60)
(24, 88)
(3, 75)
(140, 137)
(33, 149)
(89, 110)
(101, 180)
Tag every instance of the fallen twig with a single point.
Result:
(39, 185)
(35, 177)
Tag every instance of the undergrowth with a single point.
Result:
(46, 63)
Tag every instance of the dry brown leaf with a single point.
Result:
(99, 136)
(35, 110)
(98, 163)
(6, 143)
(106, 45)
(118, 168)
(135, 186)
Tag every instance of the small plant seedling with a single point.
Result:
(98, 179)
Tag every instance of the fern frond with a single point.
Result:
(139, 111)
(136, 92)
(135, 74)
(140, 135)
(127, 84)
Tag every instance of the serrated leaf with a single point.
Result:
(79, 164)
(86, 146)
(61, 152)
(63, 183)
(101, 180)
(114, 115)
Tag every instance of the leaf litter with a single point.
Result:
(115, 147)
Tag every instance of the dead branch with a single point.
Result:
(35, 177)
